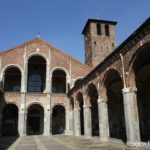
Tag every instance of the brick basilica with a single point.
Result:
(45, 91)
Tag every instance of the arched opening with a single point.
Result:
(59, 81)
(12, 80)
(93, 95)
(58, 119)
(10, 120)
(113, 84)
(77, 81)
(36, 74)
(81, 103)
(35, 120)
(141, 67)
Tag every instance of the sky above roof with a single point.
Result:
(60, 22)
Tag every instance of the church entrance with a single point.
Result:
(10, 120)
(58, 119)
(35, 118)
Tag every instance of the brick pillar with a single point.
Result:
(103, 119)
(131, 115)
(77, 125)
(87, 121)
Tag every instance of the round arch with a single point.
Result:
(10, 66)
(59, 80)
(58, 119)
(60, 68)
(35, 119)
(36, 80)
(131, 71)
(112, 86)
(10, 120)
(140, 73)
(76, 80)
(93, 95)
(36, 54)
(12, 75)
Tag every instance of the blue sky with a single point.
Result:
(60, 22)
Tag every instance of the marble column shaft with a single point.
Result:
(103, 119)
(87, 121)
(77, 124)
(131, 115)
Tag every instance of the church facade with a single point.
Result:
(45, 91)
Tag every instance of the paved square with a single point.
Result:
(59, 142)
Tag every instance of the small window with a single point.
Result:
(99, 29)
(107, 33)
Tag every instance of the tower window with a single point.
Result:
(107, 32)
(99, 29)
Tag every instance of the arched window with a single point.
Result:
(12, 80)
(59, 81)
(35, 83)
(36, 74)
(107, 32)
(99, 32)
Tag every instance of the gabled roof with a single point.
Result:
(37, 39)
(97, 21)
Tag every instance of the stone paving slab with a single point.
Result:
(61, 142)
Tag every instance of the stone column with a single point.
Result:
(67, 122)
(87, 121)
(47, 120)
(131, 115)
(71, 122)
(21, 117)
(77, 125)
(48, 79)
(103, 119)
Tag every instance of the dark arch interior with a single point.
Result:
(77, 81)
(141, 69)
(80, 100)
(12, 80)
(35, 120)
(58, 120)
(10, 120)
(59, 81)
(72, 103)
(114, 85)
(36, 74)
(93, 94)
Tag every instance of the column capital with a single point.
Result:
(77, 109)
(86, 106)
(101, 100)
(129, 89)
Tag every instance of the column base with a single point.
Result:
(68, 132)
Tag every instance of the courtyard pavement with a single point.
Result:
(60, 142)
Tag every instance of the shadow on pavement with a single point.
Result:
(7, 141)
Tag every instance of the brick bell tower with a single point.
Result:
(99, 40)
